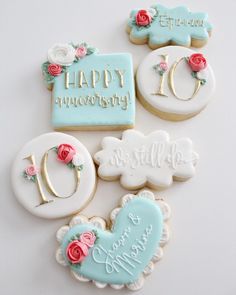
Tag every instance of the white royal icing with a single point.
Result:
(148, 82)
(61, 54)
(141, 160)
(61, 176)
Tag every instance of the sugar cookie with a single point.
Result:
(90, 91)
(123, 254)
(152, 160)
(160, 26)
(175, 83)
(54, 176)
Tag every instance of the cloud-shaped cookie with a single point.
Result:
(159, 26)
(140, 160)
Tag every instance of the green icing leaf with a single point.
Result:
(55, 149)
(91, 50)
(47, 77)
(194, 74)
(80, 168)
(45, 66)
(84, 44)
(73, 45)
(71, 165)
(33, 178)
(203, 81)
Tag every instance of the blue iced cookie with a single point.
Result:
(90, 91)
(123, 254)
(160, 26)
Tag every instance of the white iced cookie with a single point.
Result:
(53, 176)
(153, 160)
(175, 83)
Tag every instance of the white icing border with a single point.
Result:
(101, 224)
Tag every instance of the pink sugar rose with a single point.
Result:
(143, 18)
(76, 251)
(54, 70)
(163, 66)
(88, 238)
(65, 153)
(197, 62)
(81, 51)
(31, 170)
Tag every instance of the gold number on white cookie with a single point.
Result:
(160, 90)
(47, 182)
(171, 83)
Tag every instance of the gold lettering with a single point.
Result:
(107, 78)
(66, 101)
(120, 74)
(95, 77)
(67, 80)
(115, 100)
(96, 99)
(47, 182)
(44, 200)
(125, 99)
(172, 84)
(59, 101)
(82, 79)
(160, 90)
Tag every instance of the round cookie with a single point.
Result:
(175, 83)
(119, 255)
(54, 176)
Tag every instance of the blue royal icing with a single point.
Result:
(97, 90)
(119, 256)
(177, 25)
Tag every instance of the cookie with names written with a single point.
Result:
(90, 91)
(175, 83)
(54, 176)
(160, 26)
(120, 255)
(153, 160)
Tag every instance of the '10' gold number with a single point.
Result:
(171, 83)
(47, 182)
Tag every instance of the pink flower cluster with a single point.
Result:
(143, 18)
(197, 62)
(65, 153)
(77, 250)
(31, 170)
(81, 51)
(55, 69)
(163, 66)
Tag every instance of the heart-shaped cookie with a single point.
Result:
(125, 253)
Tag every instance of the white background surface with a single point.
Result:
(201, 256)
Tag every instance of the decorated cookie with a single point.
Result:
(160, 26)
(122, 254)
(90, 91)
(175, 83)
(54, 176)
(152, 160)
